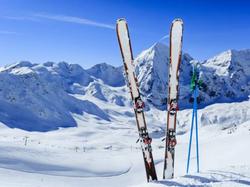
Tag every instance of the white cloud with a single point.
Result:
(77, 20)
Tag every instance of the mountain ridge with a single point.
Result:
(47, 91)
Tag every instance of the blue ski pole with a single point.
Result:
(190, 140)
(196, 128)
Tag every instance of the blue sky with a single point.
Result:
(82, 31)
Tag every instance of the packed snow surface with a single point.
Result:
(101, 153)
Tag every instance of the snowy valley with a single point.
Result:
(68, 126)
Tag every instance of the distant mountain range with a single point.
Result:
(226, 76)
(42, 97)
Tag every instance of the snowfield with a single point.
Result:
(100, 153)
(62, 125)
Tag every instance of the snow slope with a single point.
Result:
(101, 153)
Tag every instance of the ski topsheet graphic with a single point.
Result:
(173, 85)
(145, 140)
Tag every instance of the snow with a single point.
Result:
(226, 77)
(104, 71)
(39, 94)
(62, 125)
(99, 152)
(152, 70)
(226, 61)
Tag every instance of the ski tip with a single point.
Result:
(177, 20)
(121, 20)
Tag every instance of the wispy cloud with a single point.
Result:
(61, 18)
(72, 19)
(8, 32)
(164, 37)
(21, 18)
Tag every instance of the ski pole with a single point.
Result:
(190, 141)
(196, 128)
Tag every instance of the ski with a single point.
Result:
(144, 139)
(173, 86)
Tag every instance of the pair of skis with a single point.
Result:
(175, 59)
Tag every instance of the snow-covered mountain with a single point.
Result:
(108, 74)
(226, 77)
(42, 97)
(152, 72)
(102, 151)
(38, 96)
